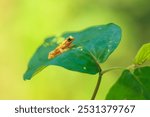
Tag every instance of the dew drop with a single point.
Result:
(84, 68)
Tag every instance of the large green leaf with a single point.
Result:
(130, 86)
(91, 46)
(143, 54)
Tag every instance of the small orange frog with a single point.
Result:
(65, 45)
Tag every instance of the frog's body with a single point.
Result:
(65, 45)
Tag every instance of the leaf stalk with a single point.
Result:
(97, 86)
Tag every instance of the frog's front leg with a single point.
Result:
(71, 46)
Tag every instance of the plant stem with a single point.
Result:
(97, 86)
(99, 78)
(110, 69)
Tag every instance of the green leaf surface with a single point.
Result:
(132, 86)
(90, 47)
(143, 54)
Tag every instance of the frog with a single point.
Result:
(61, 48)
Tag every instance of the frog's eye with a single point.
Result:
(69, 39)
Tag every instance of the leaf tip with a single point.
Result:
(26, 76)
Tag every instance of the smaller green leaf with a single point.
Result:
(143, 54)
(131, 86)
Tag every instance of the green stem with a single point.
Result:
(110, 69)
(99, 78)
(97, 86)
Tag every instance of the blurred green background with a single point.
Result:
(24, 24)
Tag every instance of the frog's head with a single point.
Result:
(70, 39)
